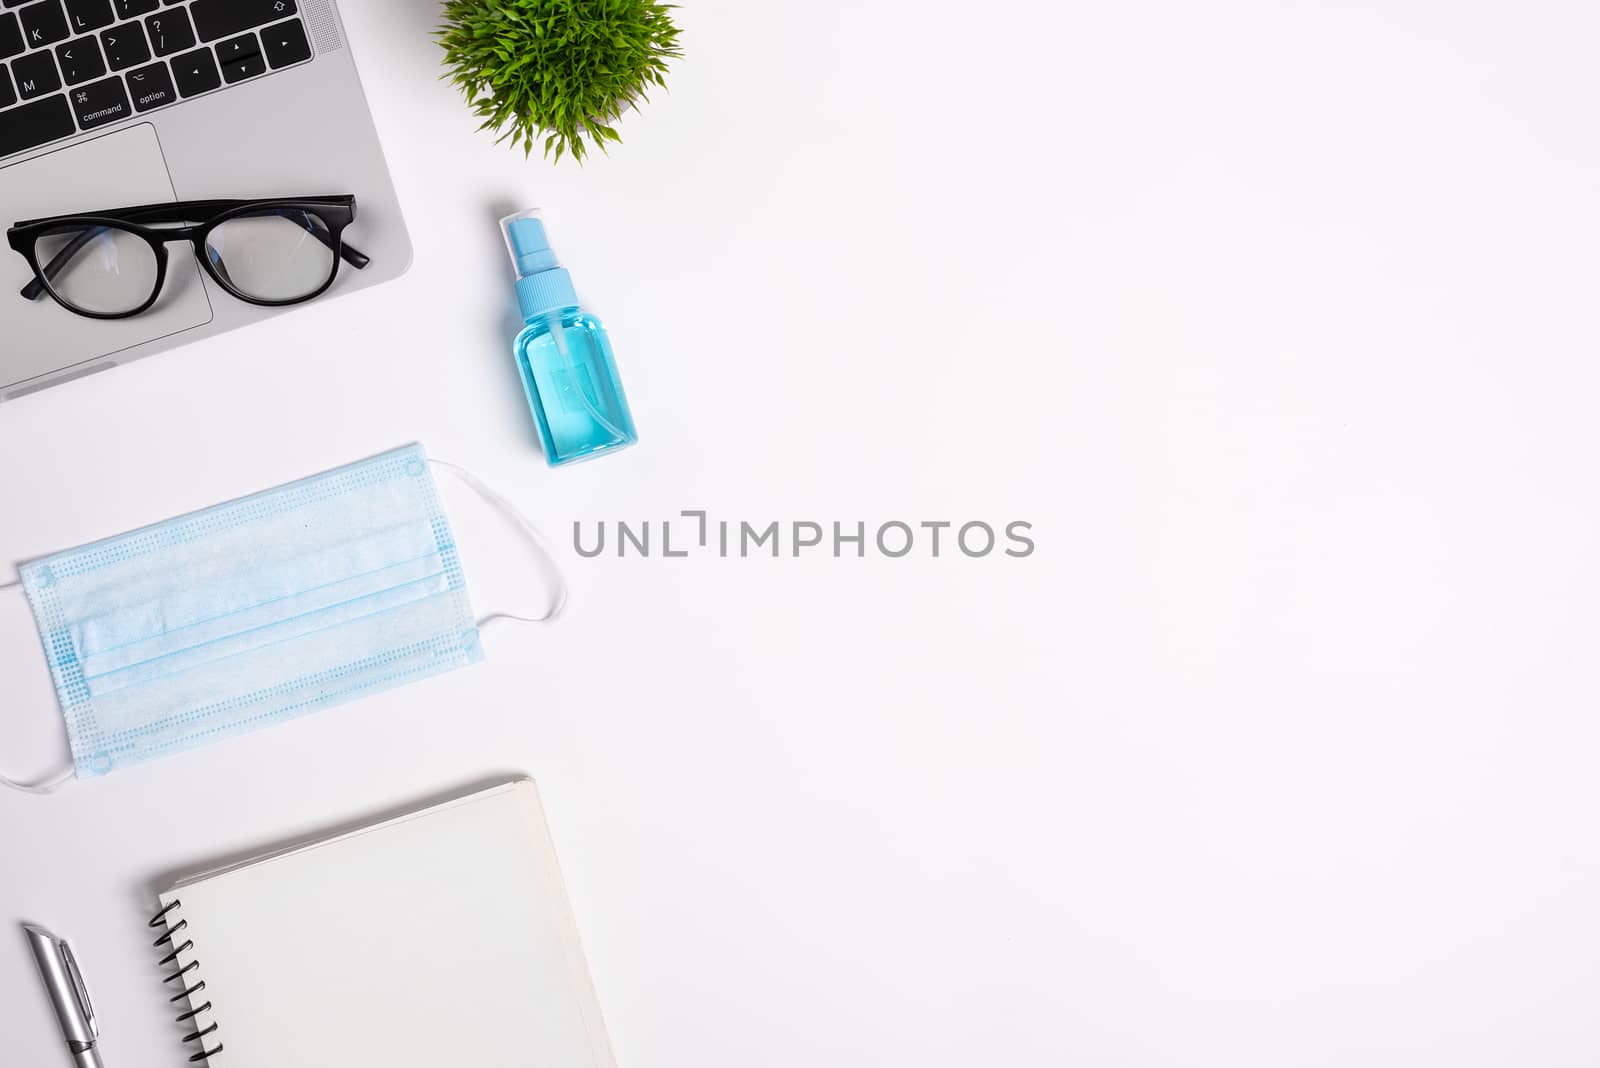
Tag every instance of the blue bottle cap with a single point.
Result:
(529, 246)
(543, 285)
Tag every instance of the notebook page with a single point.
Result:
(440, 937)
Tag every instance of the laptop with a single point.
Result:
(109, 104)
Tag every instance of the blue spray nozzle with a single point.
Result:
(542, 285)
(528, 243)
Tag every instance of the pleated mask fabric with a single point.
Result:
(248, 613)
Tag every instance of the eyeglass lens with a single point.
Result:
(276, 254)
(99, 269)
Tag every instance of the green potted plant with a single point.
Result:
(557, 71)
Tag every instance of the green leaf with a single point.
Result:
(560, 70)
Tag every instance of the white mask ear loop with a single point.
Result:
(529, 531)
(54, 782)
(40, 789)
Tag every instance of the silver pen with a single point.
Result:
(64, 982)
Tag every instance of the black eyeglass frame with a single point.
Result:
(335, 212)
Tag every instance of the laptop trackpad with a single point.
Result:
(120, 170)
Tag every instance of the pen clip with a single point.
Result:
(79, 990)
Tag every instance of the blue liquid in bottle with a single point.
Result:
(563, 355)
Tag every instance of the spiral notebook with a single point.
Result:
(440, 937)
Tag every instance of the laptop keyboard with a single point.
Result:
(70, 66)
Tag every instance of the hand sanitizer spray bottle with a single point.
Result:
(563, 354)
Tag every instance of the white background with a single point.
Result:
(1277, 319)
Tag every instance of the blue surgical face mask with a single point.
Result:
(255, 611)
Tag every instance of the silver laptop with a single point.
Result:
(108, 104)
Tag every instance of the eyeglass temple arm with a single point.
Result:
(35, 289)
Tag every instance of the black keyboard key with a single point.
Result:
(12, 3)
(89, 15)
(100, 103)
(35, 124)
(195, 72)
(241, 58)
(44, 24)
(8, 95)
(224, 18)
(125, 46)
(240, 69)
(80, 60)
(36, 75)
(132, 9)
(170, 32)
(286, 44)
(238, 48)
(151, 87)
(10, 35)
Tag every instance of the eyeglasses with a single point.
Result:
(112, 265)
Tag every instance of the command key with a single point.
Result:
(100, 102)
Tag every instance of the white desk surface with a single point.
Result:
(1278, 321)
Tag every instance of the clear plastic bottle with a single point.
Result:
(563, 355)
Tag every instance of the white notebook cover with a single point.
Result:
(438, 938)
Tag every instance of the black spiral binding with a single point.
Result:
(183, 978)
